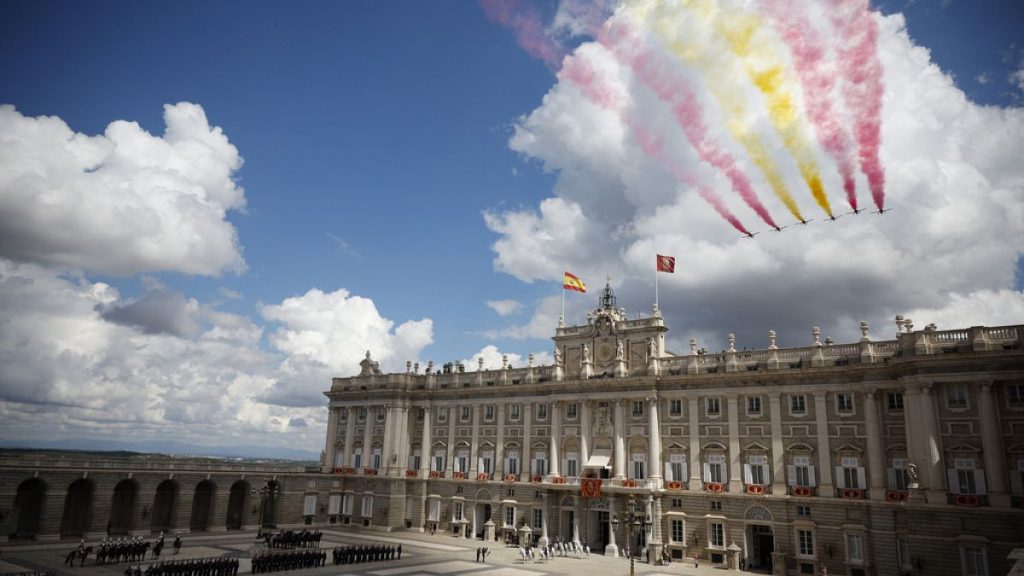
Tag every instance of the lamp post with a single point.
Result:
(266, 491)
(634, 521)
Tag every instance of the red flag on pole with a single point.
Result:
(666, 264)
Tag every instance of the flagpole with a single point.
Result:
(655, 283)
(562, 320)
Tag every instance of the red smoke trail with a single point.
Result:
(529, 31)
(862, 86)
(662, 78)
(580, 72)
(808, 49)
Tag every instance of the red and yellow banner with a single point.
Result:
(571, 282)
(590, 487)
(666, 264)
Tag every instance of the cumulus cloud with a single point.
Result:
(955, 236)
(123, 202)
(504, 307)
(493, 359)
(157, 311)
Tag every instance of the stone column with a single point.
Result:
(526, 456)
(654, 441)
(911, 420)
(584, 435)
(402, 441)
(426, 447)
(332, 437)
(449, 462)
(544, 540)
(611, 549)
(499, 445)
(658, 539)
(992, 448)
(350, 433)
(876, 464)
(826, 488)
(936, 492)
(474, 450)
(694, 463)
(778, 451)
(555, 436)
(368, 436)
(735, 469)
(387, 446)
(620, 442)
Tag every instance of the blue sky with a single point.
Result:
(375, 137)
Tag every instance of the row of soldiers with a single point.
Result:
(219, 566)
(115, 551)
(277, 561)
(289, 539)
(360, 554)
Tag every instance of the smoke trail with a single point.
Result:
(862, 86)
(579, 70)
(674, 89)
(742, 32)
(720, 85)
(808, 49)
(526, 24)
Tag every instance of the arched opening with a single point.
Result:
(236, 504)
(77, 508)
(27, 512)
(122, 508)
(270, 506)
(164, 504)
(202, 505)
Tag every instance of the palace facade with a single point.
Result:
(877, 457)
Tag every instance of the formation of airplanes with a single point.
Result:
(831, 218)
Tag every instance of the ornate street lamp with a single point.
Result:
(635, 521)
(265, 492)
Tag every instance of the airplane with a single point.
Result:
(883, 211)
(749, 235)
(806, 222)
(854, 211)
(833, 217)
(780, 228)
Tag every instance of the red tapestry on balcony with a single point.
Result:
(590, 487)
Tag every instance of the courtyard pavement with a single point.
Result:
(422, 555)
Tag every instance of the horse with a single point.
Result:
(82, 553)
(157, 549)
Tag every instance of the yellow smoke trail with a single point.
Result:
(693, 51)
(768, 72)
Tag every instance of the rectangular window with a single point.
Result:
(540, 463)
(334, 504)
(512, 462)
(489, 412)
(343, 415)
(895, 401)
(380, 415)
(801, 473)
(716, 535)
(677, 531)
(715, 471)
(572, 464)
(844, 402)
(438, 463)
(716, 505)
(434, 510)
(538, 518)
(675, 407)
(376, 459)
(458, 511)
(855, 548)
(510, 515)
(677, 467)
(805, 540)
(571, 410)
(346, 504)
(464, 413)
(462, 460)
(638, 408)
(956, 396)
(513, 412)
(361, 417)
(804, 511)
(966, 477)
(976, 564)
(798, 404)
(1015, 395)
(850, 474)
(757, 470)
(903, 554)
(897, 475)
(442, 414)
(419, 414)
(367, 506)
(417, 458)
(357, 459)
(754, 405)
(542, 411)
(714, 406)
(639, 463)
(487, 462)
(309, 505)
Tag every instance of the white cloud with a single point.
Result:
(493, 359)
(123, 202)
(954, 237)
(229, 293)
(504, 307)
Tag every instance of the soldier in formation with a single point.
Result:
(290, 560)
(194, 567)
(360, 554)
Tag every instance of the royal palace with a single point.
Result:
(881, 457)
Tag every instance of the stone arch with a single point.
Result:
(236, 505)
(758, 513)
(483, 495)
(77, 516)
(165, 504)
(203, 501)
(122, 507)
(27, 512)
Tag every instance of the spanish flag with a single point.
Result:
(573, 283)
(666, 264)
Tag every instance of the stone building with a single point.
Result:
(882, 457)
